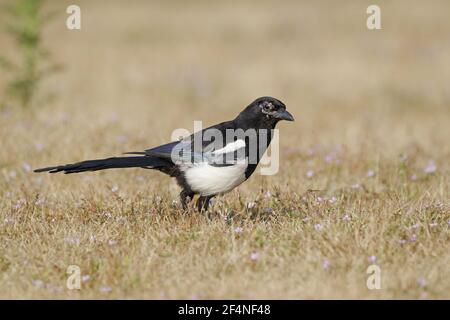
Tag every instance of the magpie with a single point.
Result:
(210, 162)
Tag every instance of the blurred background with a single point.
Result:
(148, 67)
(365, 102)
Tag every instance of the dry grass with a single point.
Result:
(372, 100)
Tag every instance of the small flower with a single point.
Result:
(448, 222)
(415, 226)
(329, 158)
(54, 289)
(268, 210)
(85, 278)
(310, 173)
(238, 230)
(105, 289)
(370, 174)
(421, 282)
(38, 283)
(356, 186)
(115, 189)
(413, 177)
(107, 214)
(430, 168)
(39, 202)
(19, 204)
(372, 259)
(12, 174)
(332, 200)
(72, 240)
(254, 256)
(26, 167)
(413, 238)
(318, 227)
(305, 219)
(93, 238)
(346, 217)
(39, 147)
(326, 264)
(402, 241)
(267, 195)
(250, 205)
(112, 242)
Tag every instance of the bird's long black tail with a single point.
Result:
(109, 163)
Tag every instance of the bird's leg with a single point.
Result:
(185, 198)
(203, 203)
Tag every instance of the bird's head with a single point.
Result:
(265, 112)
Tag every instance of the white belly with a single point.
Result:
(209, 180)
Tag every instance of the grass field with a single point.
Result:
(364, 176)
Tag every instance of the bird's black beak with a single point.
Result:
(284, 115)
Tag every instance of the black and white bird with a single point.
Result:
(210, 162)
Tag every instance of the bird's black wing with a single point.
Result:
(201, 146)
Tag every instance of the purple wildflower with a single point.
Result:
(415, 226)
(370, 174)
(254, 256)
(38, 283)
(26, 167)
(421, 282)
(105, 289)
(430, 167)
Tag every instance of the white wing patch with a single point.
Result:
(231, 147)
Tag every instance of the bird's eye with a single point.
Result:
(268, 107)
